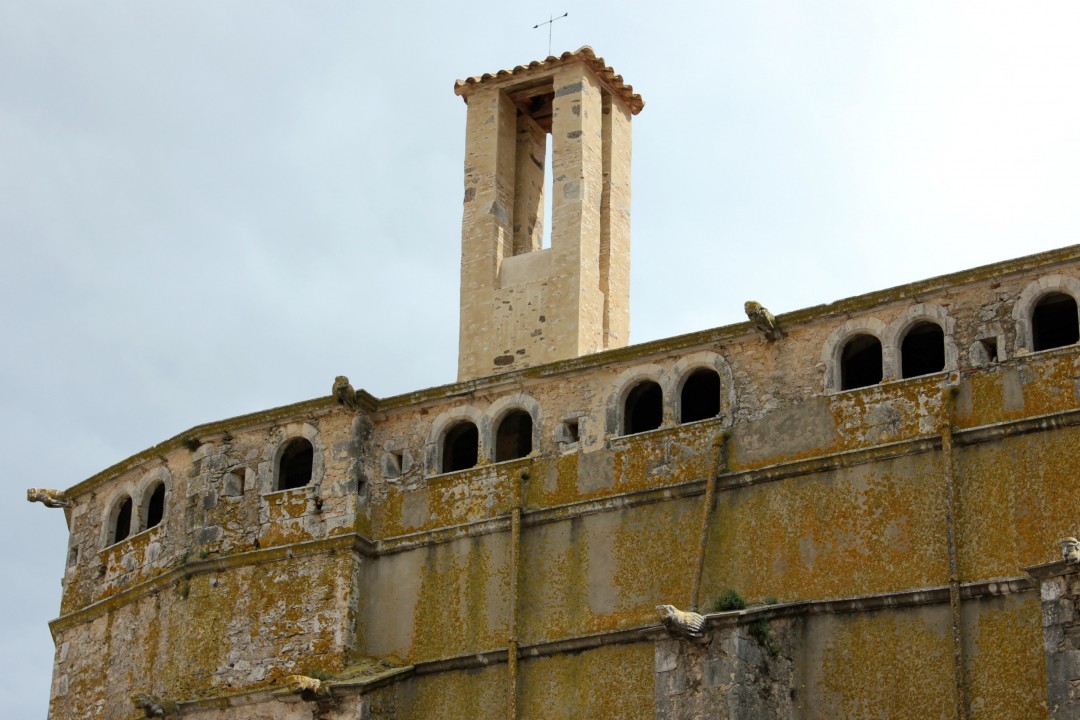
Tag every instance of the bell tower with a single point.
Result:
(523, 304)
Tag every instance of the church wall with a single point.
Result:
(862, 529)
(821, 494)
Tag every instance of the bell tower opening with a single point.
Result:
(547, 155)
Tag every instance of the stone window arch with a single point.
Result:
(922, 350)
(515, 420)
(452, 432)
(699, 396)
(460, 446)
(513, 435)
(920, 342)
(121, 514)
(154, 498)
(861, 362)
(643, 407)
(1046, 313)
(703, 373)
(856, 347)
(295, 461)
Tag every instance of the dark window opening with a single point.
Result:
(923, 350)
(461, 447)
(514, 437)
(294, 469)
(860, 362)
(73, 557)
(990, 348)
(700, 397)
(571, 431)
(644, 408)
(1054, 322)
(155, 510)
(123, 521)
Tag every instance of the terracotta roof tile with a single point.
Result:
(583, 54)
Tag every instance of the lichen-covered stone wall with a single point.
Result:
(818, 495)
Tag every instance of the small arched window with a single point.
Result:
(923, 350)
(155, 508)
(860, 362)
(700, 398)
(122, 523)
(513, 439)
(644, 408)
(461, 447)
(294, 467)
(1054, 322)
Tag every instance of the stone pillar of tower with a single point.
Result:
(523, 304)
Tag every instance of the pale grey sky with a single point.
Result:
(209, 208)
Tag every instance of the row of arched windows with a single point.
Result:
(643, 408)
(124, 521)
(461, 442)
(922, 352)
(1054, 322)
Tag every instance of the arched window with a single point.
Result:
(1054, 322)
(155, 508)
(122, 523)
(700, 398)
(294, 467)
(860, 362)
(644, 409)
(514, 436)
(923, 350)
(461, 447)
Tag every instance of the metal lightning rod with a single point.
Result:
(550, 22)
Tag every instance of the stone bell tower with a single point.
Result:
(523, 304)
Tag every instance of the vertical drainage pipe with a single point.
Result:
(948, 403)
(515, 556)
(719, 465)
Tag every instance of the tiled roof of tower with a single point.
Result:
(583, 54)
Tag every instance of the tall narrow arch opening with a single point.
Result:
(923, 350)
(860, 362)
(700, 397)
(461, 447)
(155, 508)
(644, 408)
(121, 527)
(513, 439)
(294, 467)
(1054, 322)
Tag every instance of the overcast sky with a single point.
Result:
(210, 208)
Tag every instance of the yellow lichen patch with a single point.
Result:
(1012, 508)
(1005, 664)
(552, 481)
(883, 666)
(129, 562)
(608, 682)
(887, 413)
(606, 571)
(463, 602)
(287, 513)
(853, 531)
(662, 457)
(476, 694)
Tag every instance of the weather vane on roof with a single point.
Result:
(549, 23)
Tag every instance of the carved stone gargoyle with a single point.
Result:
(763, 321)
(344, 393)
(681, 623)
(48, 498)
(1070, 550)
(308, 688)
